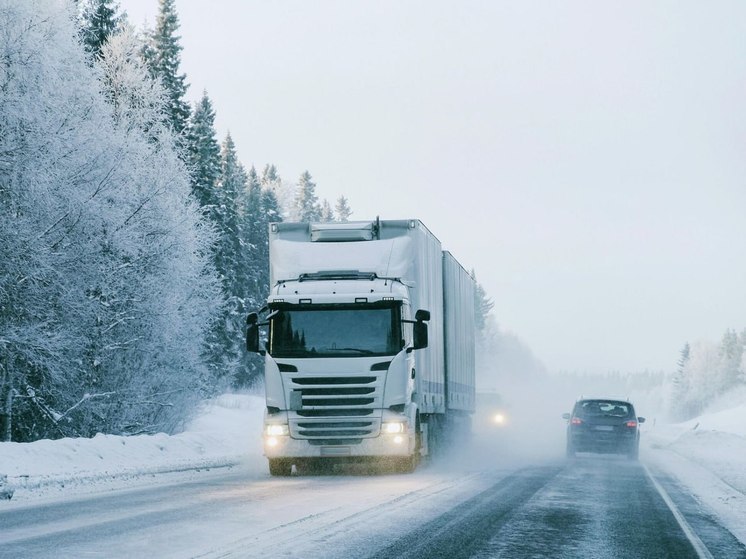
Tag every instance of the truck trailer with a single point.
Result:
(368, 338)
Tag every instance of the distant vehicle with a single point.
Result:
(491, 412)
(608, 426)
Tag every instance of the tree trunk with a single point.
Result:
(7, 409)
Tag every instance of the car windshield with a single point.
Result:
(607, 408)
(352, 330)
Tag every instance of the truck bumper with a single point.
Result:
(381, 446)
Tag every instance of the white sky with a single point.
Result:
(585, 158)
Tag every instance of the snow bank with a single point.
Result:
(226, 433)
(716, 441)
(708, 455)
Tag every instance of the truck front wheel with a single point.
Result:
(406, 465)
(280, 467)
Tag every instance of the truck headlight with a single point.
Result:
(276, 430)
(394, 427)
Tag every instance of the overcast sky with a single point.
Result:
(585, 158)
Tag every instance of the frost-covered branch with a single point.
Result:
(84, 399)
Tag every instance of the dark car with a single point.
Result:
(603, 426)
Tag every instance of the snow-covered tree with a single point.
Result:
(705, 372)
(162, 52)
(327, 214)
(307, 206)
(271, 206)
(283, 192)
(270, 175)
(731, 352)
(232, 183)
(253, 213)
(106, 290)
(99, 21)
(203, 152)
(233, 260)
(482, 305)
(701, 371)
(679, 388)
(343, 210)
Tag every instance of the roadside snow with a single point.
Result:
(226, 433)
(708, 455)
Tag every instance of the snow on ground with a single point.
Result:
(708, 455)
(226, 433)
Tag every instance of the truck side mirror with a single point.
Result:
(422, 315)
(252, 332)
(420, 328)
(420, 334)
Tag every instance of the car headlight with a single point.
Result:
(394, 427)
(276, 430)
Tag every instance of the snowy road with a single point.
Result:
(588, 507)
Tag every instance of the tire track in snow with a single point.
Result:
(315, 535)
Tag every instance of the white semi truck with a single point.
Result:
(369, 350)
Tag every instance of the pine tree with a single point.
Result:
(257, 208)
(306, 202)
(254, 226)
(343, 209)
(271, 213)
(270, 177)
(327, 214)
(99, 21)
(233, 262)
(253, 204)
(731, 352)
(683, 359)
(679, 383)
(284, 192)
(482, 304)
(203, 152)
(162, 53)
(225, 213)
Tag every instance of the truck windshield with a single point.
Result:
(357, 330)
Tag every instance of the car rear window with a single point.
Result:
(608, 408)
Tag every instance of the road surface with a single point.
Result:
(590, 507)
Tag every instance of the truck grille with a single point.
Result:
(339, 408)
